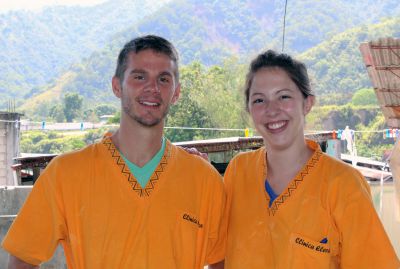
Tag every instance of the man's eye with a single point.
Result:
(138, 77)
(286, 97)
(165, 79)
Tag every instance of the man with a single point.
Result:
(132, 200)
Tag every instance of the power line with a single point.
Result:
(198, 128)
(284, 27)
(224, 129)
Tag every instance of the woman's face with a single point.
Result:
(278, 108)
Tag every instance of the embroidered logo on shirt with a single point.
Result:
(319, 248)
(324, 240)
(192, 219)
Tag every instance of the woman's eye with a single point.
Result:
(286, 97)
(258, 100)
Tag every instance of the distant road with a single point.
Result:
(60, 126)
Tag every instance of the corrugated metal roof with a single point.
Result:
(241, 143)
(382, 59)
(206, 146)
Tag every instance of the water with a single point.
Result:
(386, 200)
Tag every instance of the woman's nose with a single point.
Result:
(272, 107)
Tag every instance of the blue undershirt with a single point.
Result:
(143, 174)
(273, 196)
(271, 193)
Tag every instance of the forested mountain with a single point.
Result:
(36, 47)
(209, 31)
(336, 65)
(205, 31)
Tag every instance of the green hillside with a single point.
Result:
(37, 47)
(336, 65)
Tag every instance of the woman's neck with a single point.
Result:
(284, 165)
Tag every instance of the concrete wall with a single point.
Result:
(9, 145)
(11, 200)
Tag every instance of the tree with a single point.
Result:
(72, 106)
(116, 119)
(50, 142)
(90, 115)
(210, 98)
(105, 109)
(93, 136)
(57, 113)
(363, 97)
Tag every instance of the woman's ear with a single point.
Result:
(308, 104)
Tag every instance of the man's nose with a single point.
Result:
(152, 86)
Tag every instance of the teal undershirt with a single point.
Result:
(143, 174)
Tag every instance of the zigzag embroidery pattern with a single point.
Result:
(295, 183)
(127, 173)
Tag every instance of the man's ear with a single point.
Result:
(176, 95)
(116, 86)
(308, 104)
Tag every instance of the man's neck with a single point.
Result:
(138, 143)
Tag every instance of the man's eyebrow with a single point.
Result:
(137, 71)
(166, 73)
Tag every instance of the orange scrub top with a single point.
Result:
(90, 203)
(324, 219)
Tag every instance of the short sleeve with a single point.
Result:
(365, 243)
(217, 235)
(39, 225)
(221, 246)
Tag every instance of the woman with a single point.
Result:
(289, 204)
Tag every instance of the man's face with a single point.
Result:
(148, 88)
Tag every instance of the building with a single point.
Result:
(9, 145)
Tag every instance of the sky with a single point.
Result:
(35, 5)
